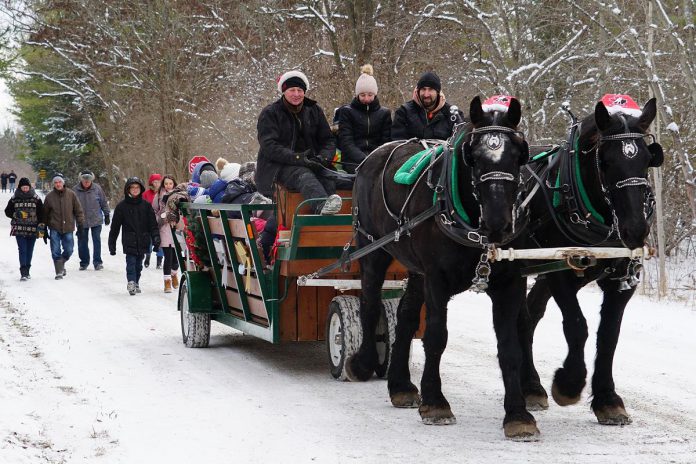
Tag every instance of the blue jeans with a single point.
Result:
(66, 241)
(12, 189)
(26, 249)
(134, 266)
(83, 244)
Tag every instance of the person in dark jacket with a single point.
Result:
(12, 178)
(137, 219)
(96, 209)
(427, 116)
(364, 124)
(62, 210)
(25, 208)
(295, 145)
(3, 180)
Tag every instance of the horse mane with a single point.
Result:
(589, 133)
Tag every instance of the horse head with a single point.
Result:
(494, 150)
(622, 159)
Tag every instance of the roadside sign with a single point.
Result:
(194, 161)
(42, 174)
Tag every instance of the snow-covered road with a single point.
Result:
(91, 374)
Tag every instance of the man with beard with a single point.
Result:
(427, 116)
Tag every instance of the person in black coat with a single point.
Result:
(295, 145)
(427, 116)
(364, 124)
(137, 219)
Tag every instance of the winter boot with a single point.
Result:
(23, 273)
(137, 288)
(332, 205)
(175, 280)
(147, 260)
(59, 265)
(159, 262)
(167, 284)
(131, 287)
(26, 272)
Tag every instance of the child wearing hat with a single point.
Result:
(137, 219)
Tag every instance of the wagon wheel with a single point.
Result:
(343, 333)
(384, 335)
(195, 327)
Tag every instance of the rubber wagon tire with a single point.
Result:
(384, 334)
(195, 327)
(343, 333)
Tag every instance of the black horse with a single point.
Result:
(609, 204)
(488, 154)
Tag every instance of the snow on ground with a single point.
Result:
(93, 375)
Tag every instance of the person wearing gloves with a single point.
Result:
(96, 209)
(25, 208)
(137, 219)
(62, 210)
(295, 145)
(153, 184)
(364, 124)
(427, 115)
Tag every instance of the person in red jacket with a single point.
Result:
(154, 182)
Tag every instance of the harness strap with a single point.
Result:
(379, 243)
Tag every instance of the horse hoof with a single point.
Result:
(437, 415)
(521, 431)
(613, 415)
(410, 399)
(537, 402)
(561, 399)
(354, 373)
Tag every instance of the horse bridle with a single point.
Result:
(649, 202)
(491, 176)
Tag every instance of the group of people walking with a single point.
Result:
(6, 178)
(297, 148)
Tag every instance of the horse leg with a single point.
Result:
(508, 296)
(373, 268)
(434, 408)
(530, 315)
(569, 380)
(403, 393)
(606, 404)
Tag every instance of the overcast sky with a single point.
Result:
(6, 119)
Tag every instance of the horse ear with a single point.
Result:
(475, 111)
(514, 113)
(648, 115)
(658, 156)
(602, 117)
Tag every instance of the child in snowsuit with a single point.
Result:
(137, 219)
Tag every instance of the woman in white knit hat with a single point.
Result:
(364, 124)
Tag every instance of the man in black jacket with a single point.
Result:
(364, 124)
(137, 218)
(295, 143)
(427, 116)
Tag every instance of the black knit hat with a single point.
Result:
(294, 82)
(24, 181)
(429, 79)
